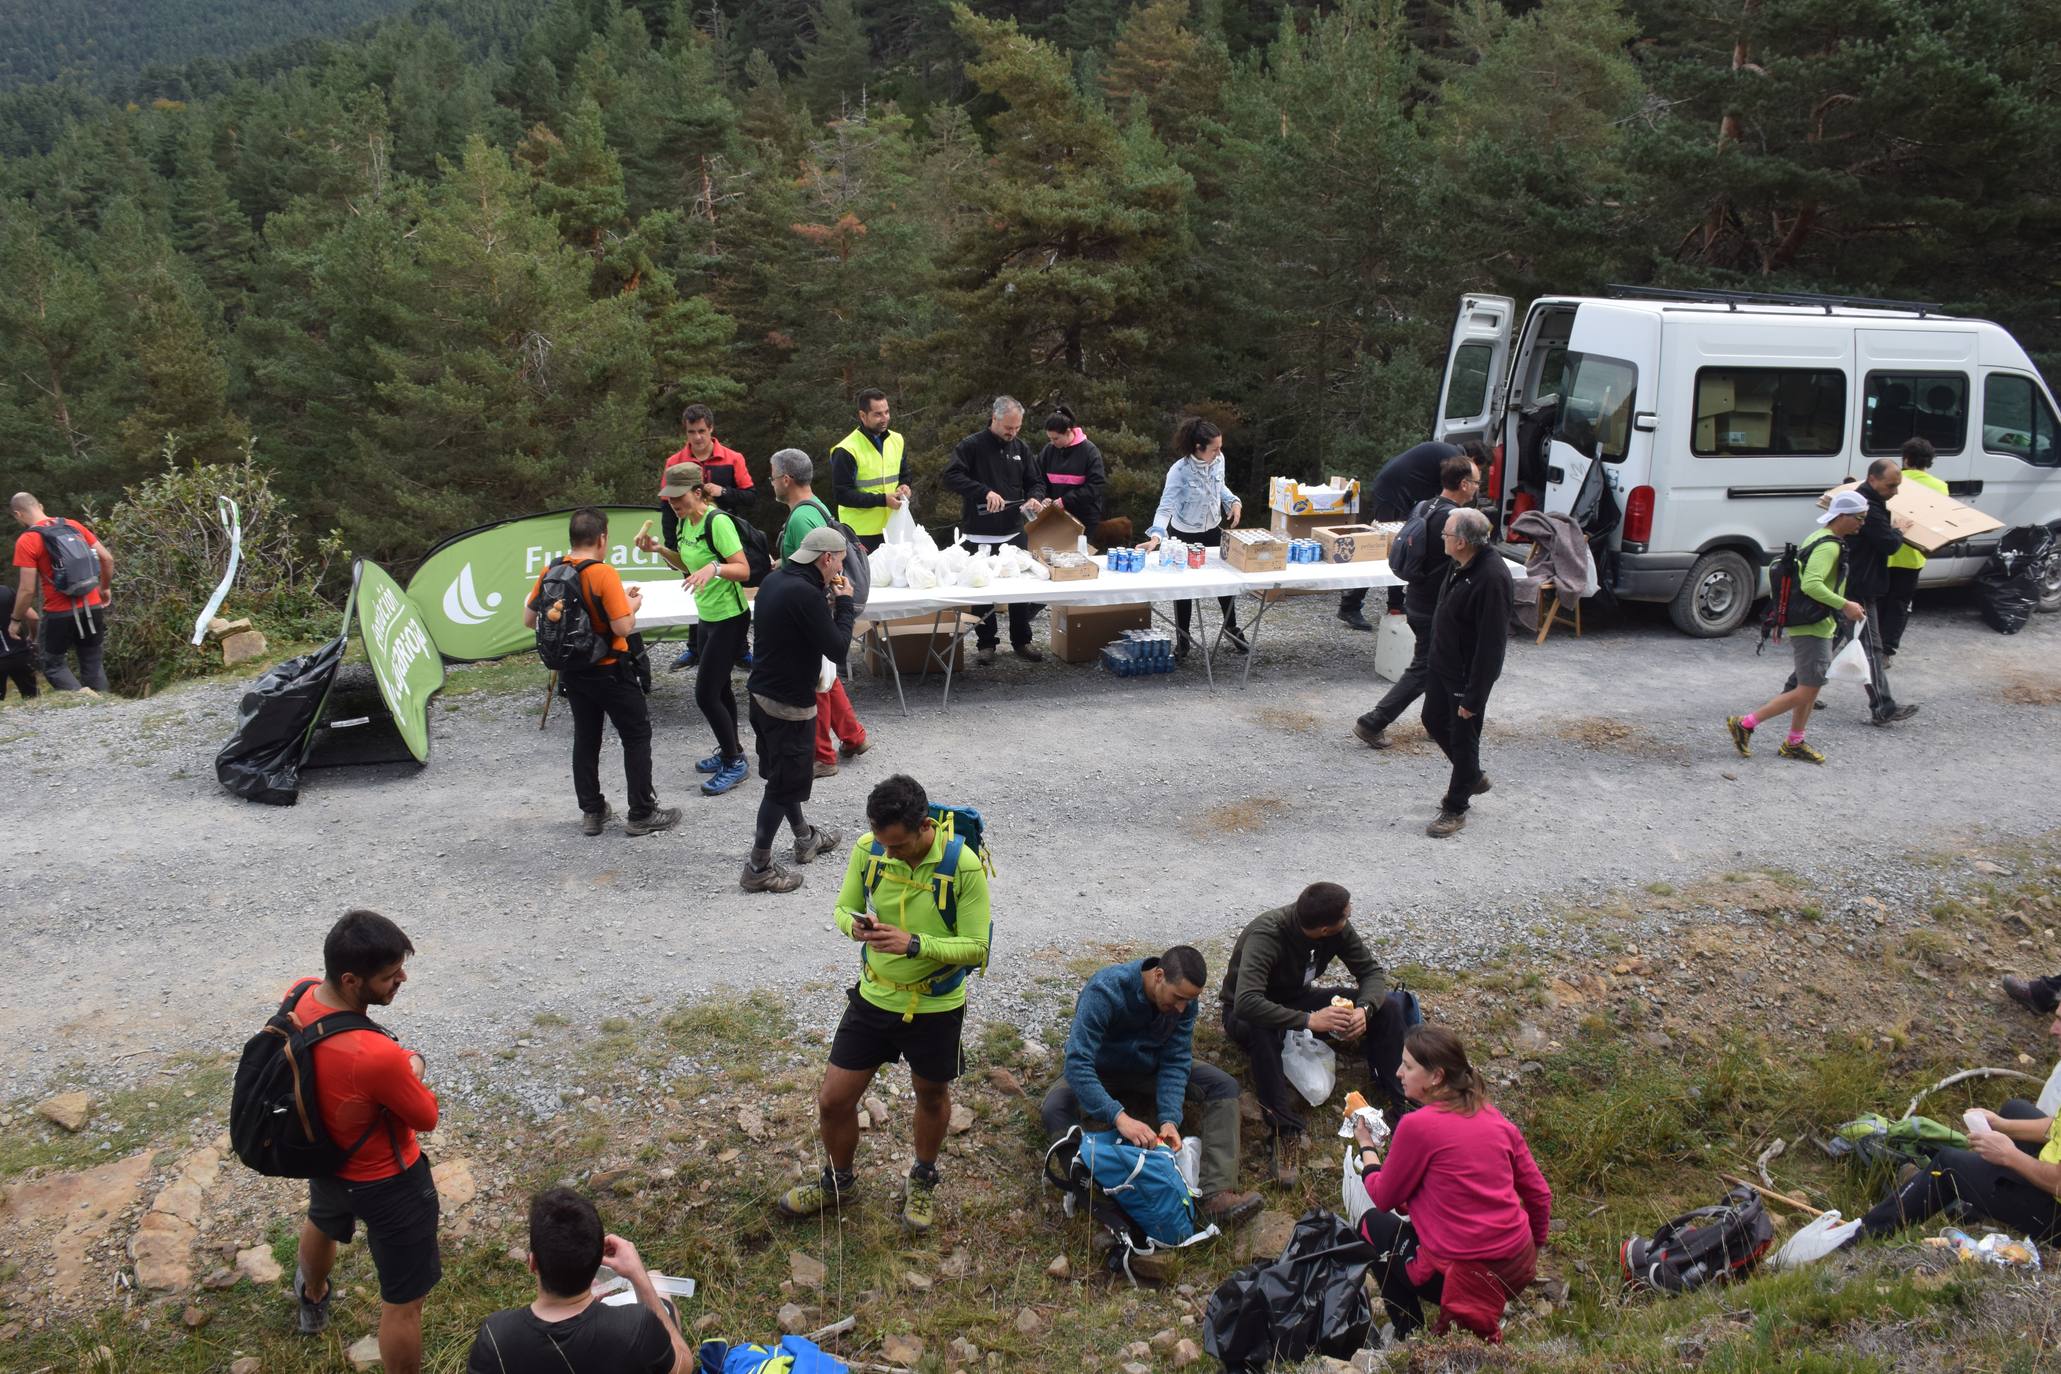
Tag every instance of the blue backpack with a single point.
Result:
(794, 1355)
(962, 828)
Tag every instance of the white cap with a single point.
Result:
(1844, 503)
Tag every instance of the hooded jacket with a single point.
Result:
(1117, 1030)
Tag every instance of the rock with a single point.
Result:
(956, 1265)
(87, 1204)
(69, 1110)
(806, 1270)
(364, 1352)
(193, 1318)
(1028, 1322)
(219, 628)
(249, 1364)
(708, 1321)
(1059, 1268)
(1186, 1352)
(793, 1320)
(242, 647)
(219, 1279)
(1004, 1082)
(1136, 1350)
(1163, 1341)
(1134, 1367)
(1268, 1235)
(752, 1122)
(902, 1350)
(257, 1262)
(962, 1119)
(963, 1351)
(875, 1110)
(605, 1180)
(865, 1119)
(918, 1282)
(163, 1245)
(1327, 1365)
(1530, 1039)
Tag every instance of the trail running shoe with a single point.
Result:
(314, 1316)
(664, 818)
(1801, 752)
(1742, 736)
(732, 773)
(591, 822)
(712, 764)
(919, 1206)
(808, 1199)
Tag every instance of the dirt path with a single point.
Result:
(1147, 808)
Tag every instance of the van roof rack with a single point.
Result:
(1735, 299)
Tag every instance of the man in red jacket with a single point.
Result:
(372, 1095)
(728, 484)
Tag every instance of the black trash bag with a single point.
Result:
(1311, 1301)
(262, 760)
(2008, 587)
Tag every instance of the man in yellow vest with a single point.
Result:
(866, 471)
(1906, 561)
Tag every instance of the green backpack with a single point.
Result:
(1873, 1139)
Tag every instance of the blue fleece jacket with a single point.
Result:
(1117, 1030)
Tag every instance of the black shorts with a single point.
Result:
(400, 1215)
(787, 755)
(868, 1037)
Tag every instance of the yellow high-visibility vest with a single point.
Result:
(1908, 557)
(879, 472)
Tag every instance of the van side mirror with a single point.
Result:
(1645, 422)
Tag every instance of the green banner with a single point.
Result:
(471, 588)
(403, 656)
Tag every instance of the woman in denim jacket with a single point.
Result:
(1194, 507)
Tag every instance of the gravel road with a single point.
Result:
(1145, 809)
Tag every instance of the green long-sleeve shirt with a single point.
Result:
(1820, 555)
(904, 900)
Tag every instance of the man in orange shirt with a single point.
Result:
(371, 1093)
(68, 622)
(608, 689)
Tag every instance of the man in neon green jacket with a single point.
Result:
(1906, 563)
(910, 999)
(1817, 604)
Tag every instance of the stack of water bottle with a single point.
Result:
(1140, 653)
(1126, 560)
(1305, 551)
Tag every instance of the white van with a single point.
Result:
(1716, 420)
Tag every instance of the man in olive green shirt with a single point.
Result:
(837, 725)
(1816, 605)
(910, 1000)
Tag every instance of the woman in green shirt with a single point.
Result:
(711, 552)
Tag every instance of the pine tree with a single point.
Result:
(1176, 72)
(837, 60)
(579, 178)
(208, 227)
(56, 351)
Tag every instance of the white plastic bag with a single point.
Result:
(1310, 1065)
(1825, 1234)
(1354, 1190)
(1188, 1159)
(1852, 663)
(901, 527)
(2050, 1096)
(826, 676)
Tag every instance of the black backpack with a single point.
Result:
(275, 1124)
(1410, 549)
(857, 570)
(1788, 605)
(74, 567)
(758, 554)
(1710, 1243)
(569, 635)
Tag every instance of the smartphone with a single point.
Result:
(864, 921)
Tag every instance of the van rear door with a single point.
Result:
(1471, 401)
(1612, 372)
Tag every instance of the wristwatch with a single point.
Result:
(915, 946)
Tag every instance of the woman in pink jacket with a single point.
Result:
(1460, 1209)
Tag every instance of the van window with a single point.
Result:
(1596, 416)
(1784, 412)
(1468, 396)
(1915, 405)
(2016, 420)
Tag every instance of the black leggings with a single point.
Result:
(722, 644)
(1209, 539)
(771, 813)
(1990, 1192)
(1396, 1244)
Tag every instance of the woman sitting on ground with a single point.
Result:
(1477, 1206)
(2008, 1176)
(1195, 507)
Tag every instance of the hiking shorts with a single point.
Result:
(400, 1215)
(868, 1037)
(1813, 656)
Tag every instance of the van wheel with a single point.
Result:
(2049, 578)
(1716, 596)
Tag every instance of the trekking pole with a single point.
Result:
(1772, 1196)
(550, 691)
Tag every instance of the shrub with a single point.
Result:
(170, 552)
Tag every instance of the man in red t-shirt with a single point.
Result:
(372, 1095)
(68, 623)
(726, 481)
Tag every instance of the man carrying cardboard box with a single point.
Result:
(1906, 563)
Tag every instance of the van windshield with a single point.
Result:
(1596, 416)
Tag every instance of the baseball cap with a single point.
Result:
(816, 543)
(680, 479)
(1844, 503)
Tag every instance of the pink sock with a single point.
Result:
(1796, 737)
(1748, 720)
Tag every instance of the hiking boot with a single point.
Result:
(1228, 1208)
(712, 764)
(849, 751)
(984, 654)
(1182, 644)
(685, 660)
(732, 773)
(1373, 736)
(1284, 1160)
(1742, 735)
(771, 878)
(919, 1206)
(1801, 752)
(819, 840)
(1354, 620)
(808, 1199)
(1236, 637)
(592, 821)
(1481, 785)
(314, 1316)
(1028, 654)
(2031, 993)
(1448, 823)
(1892, 715)
(663, 818)
(825, 770)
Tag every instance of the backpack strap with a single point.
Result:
(322, 1028)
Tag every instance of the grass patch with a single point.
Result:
(2023, 689)
(514, 676)
(545, 1020)
(124, 1122)
(1246, 816)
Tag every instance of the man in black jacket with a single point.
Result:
(1867, 581)
(797, 629)
(999, 486)
(1416, 474)
(1468, 634)
(1459, 480)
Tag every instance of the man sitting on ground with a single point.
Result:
(1271, 988)
(1132, 1043)
(565, 1331)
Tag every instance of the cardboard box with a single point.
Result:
(1299, 526)
(1747, 429)
(1251, 550)
(1928, 518)
(1068, 566)
(1079, 632)
(1354, 543)
(910, 641)
(1340, 497)
(1053, 529)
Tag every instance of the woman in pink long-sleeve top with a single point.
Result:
(1460, 1208)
